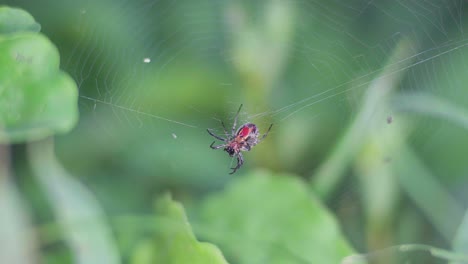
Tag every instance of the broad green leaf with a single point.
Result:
(37, 100)
(264, 218)
(174, 241)
(14, 20)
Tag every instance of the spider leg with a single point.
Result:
(225, 129)
(216, 147)
(216, 136)
(266, 133)
(240, 161)
(247, 147)
(235, 120)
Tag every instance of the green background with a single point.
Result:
(369, 105)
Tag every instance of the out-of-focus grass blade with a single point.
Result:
(16, 240)
(376, 97)
(408, 253)
(433, 106)
(78, 212)
(436, 107)
(379, 187)
(460, 242)
(442, 210)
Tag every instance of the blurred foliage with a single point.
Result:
(263, 218)
(14, 20)
(37, 98)
(78, 213)
(369, 104)
(174, 241)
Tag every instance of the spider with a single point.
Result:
(244, 139)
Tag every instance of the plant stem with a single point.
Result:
(78, 212)
(17, 240)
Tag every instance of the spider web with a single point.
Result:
(162, 71)
(120, 46)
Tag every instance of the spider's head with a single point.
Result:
(230, 150)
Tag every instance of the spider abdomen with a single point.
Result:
(247, 130)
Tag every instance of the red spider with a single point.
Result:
(244, 139)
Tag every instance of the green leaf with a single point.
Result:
(37, 100)
(264, 218)
(14, 20)
(174, 241)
